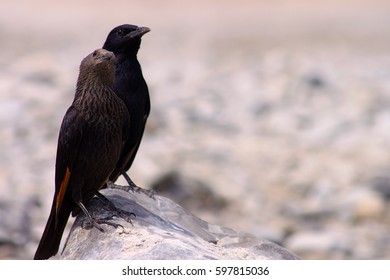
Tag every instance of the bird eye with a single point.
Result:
(94, 53)
(120, 32)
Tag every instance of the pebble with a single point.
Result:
(364, 204)
(320, 244)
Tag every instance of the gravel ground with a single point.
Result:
(279, 110)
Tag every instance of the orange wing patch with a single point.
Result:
(61, 193)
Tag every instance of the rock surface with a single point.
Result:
(161, 230)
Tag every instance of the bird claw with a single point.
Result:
(136, 189)
(89, 224)
(124, 215)
(97, 222)
(116, 211)
(132, 188)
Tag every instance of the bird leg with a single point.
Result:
(117, 212)
(96, 222)
(92, 221)
(131, 187)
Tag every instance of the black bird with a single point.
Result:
(124, 41)
(90, 142)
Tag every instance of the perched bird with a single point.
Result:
(91, 139)
(124, 41)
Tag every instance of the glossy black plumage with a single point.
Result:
(91, 140)
(124, 41)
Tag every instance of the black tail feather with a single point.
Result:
(51, 237)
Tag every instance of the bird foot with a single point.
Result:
(98, 219)
(96, 222)
(116, 212)
(132, 188)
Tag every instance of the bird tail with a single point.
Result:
(51, 237)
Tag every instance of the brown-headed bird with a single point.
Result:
(124, 41)
(91, 139)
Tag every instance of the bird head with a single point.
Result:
(125, 38)
(102, 63)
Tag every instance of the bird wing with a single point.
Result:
(127, 159)
(69, 140)
(134, 150)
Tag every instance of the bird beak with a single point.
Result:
(106, 56)
(138, 33)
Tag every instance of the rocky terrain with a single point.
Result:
(268, 118)
(156, 228)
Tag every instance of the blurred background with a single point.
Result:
(269, 117)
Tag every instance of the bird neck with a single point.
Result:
(91, 90)
(128, 74)
(128, 60)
